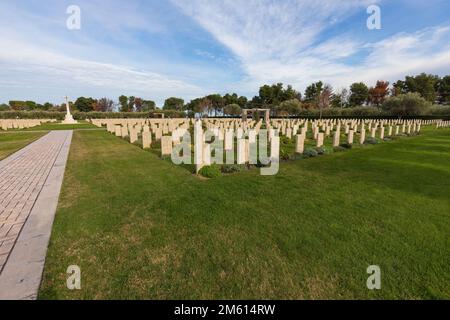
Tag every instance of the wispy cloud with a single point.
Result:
(190, 48)
(284, 41)
(31, 66)
(45, 61)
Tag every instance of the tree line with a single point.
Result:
(414, 92)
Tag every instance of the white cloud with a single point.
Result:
(262, 28)
(283, 42)
(31, 66)
(291, 41)
(40, 61)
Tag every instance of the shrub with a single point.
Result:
(346, 145)
(231, 168)
(410, 104)
(310, 153)
(285, 140)
(290, 107)
(297, 156)
(156, 144)
(284, 155)
(212, 171)
(361, 112)
(439, 110)
(32, 115)
(324, 150)
(371, 140)
(259, 164)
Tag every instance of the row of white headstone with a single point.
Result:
(230, 131)
(443, 124)
(8, 124)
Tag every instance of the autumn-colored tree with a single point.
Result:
(378, 94)
(104, 105)
(138, 102)
(324, 98)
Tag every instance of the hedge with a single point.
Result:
(86, 115)
(436, 112)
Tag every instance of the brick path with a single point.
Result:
(23, 176)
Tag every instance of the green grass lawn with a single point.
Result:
(59, 126)
(12, 142)
(140, 227)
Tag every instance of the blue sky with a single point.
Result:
(155, 48)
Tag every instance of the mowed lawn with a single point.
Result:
(142, 228)
(59, 126)
(12, 142)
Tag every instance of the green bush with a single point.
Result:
(324, 150)
(231, 168)
(362, 112)
(32, 115)
(211, 172)
(156, 144)
(12, 114)
(310, 153)
(439, 110)
(284, 155)
(346, 145)
(127, 115)
(371, 140)
(292, 106)
(410, 104)
(285, 140)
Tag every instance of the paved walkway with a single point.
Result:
(30, 183)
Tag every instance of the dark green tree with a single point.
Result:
(313, 91)
(84, 104)
(148, 105)
(131, 104)
(359, 94)
(399, 88)
(424, 84)
(123, 101)
(270, 96)
(444, 90)
(173, 103)
(242, 101)
(217, 103)
(18, 105)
